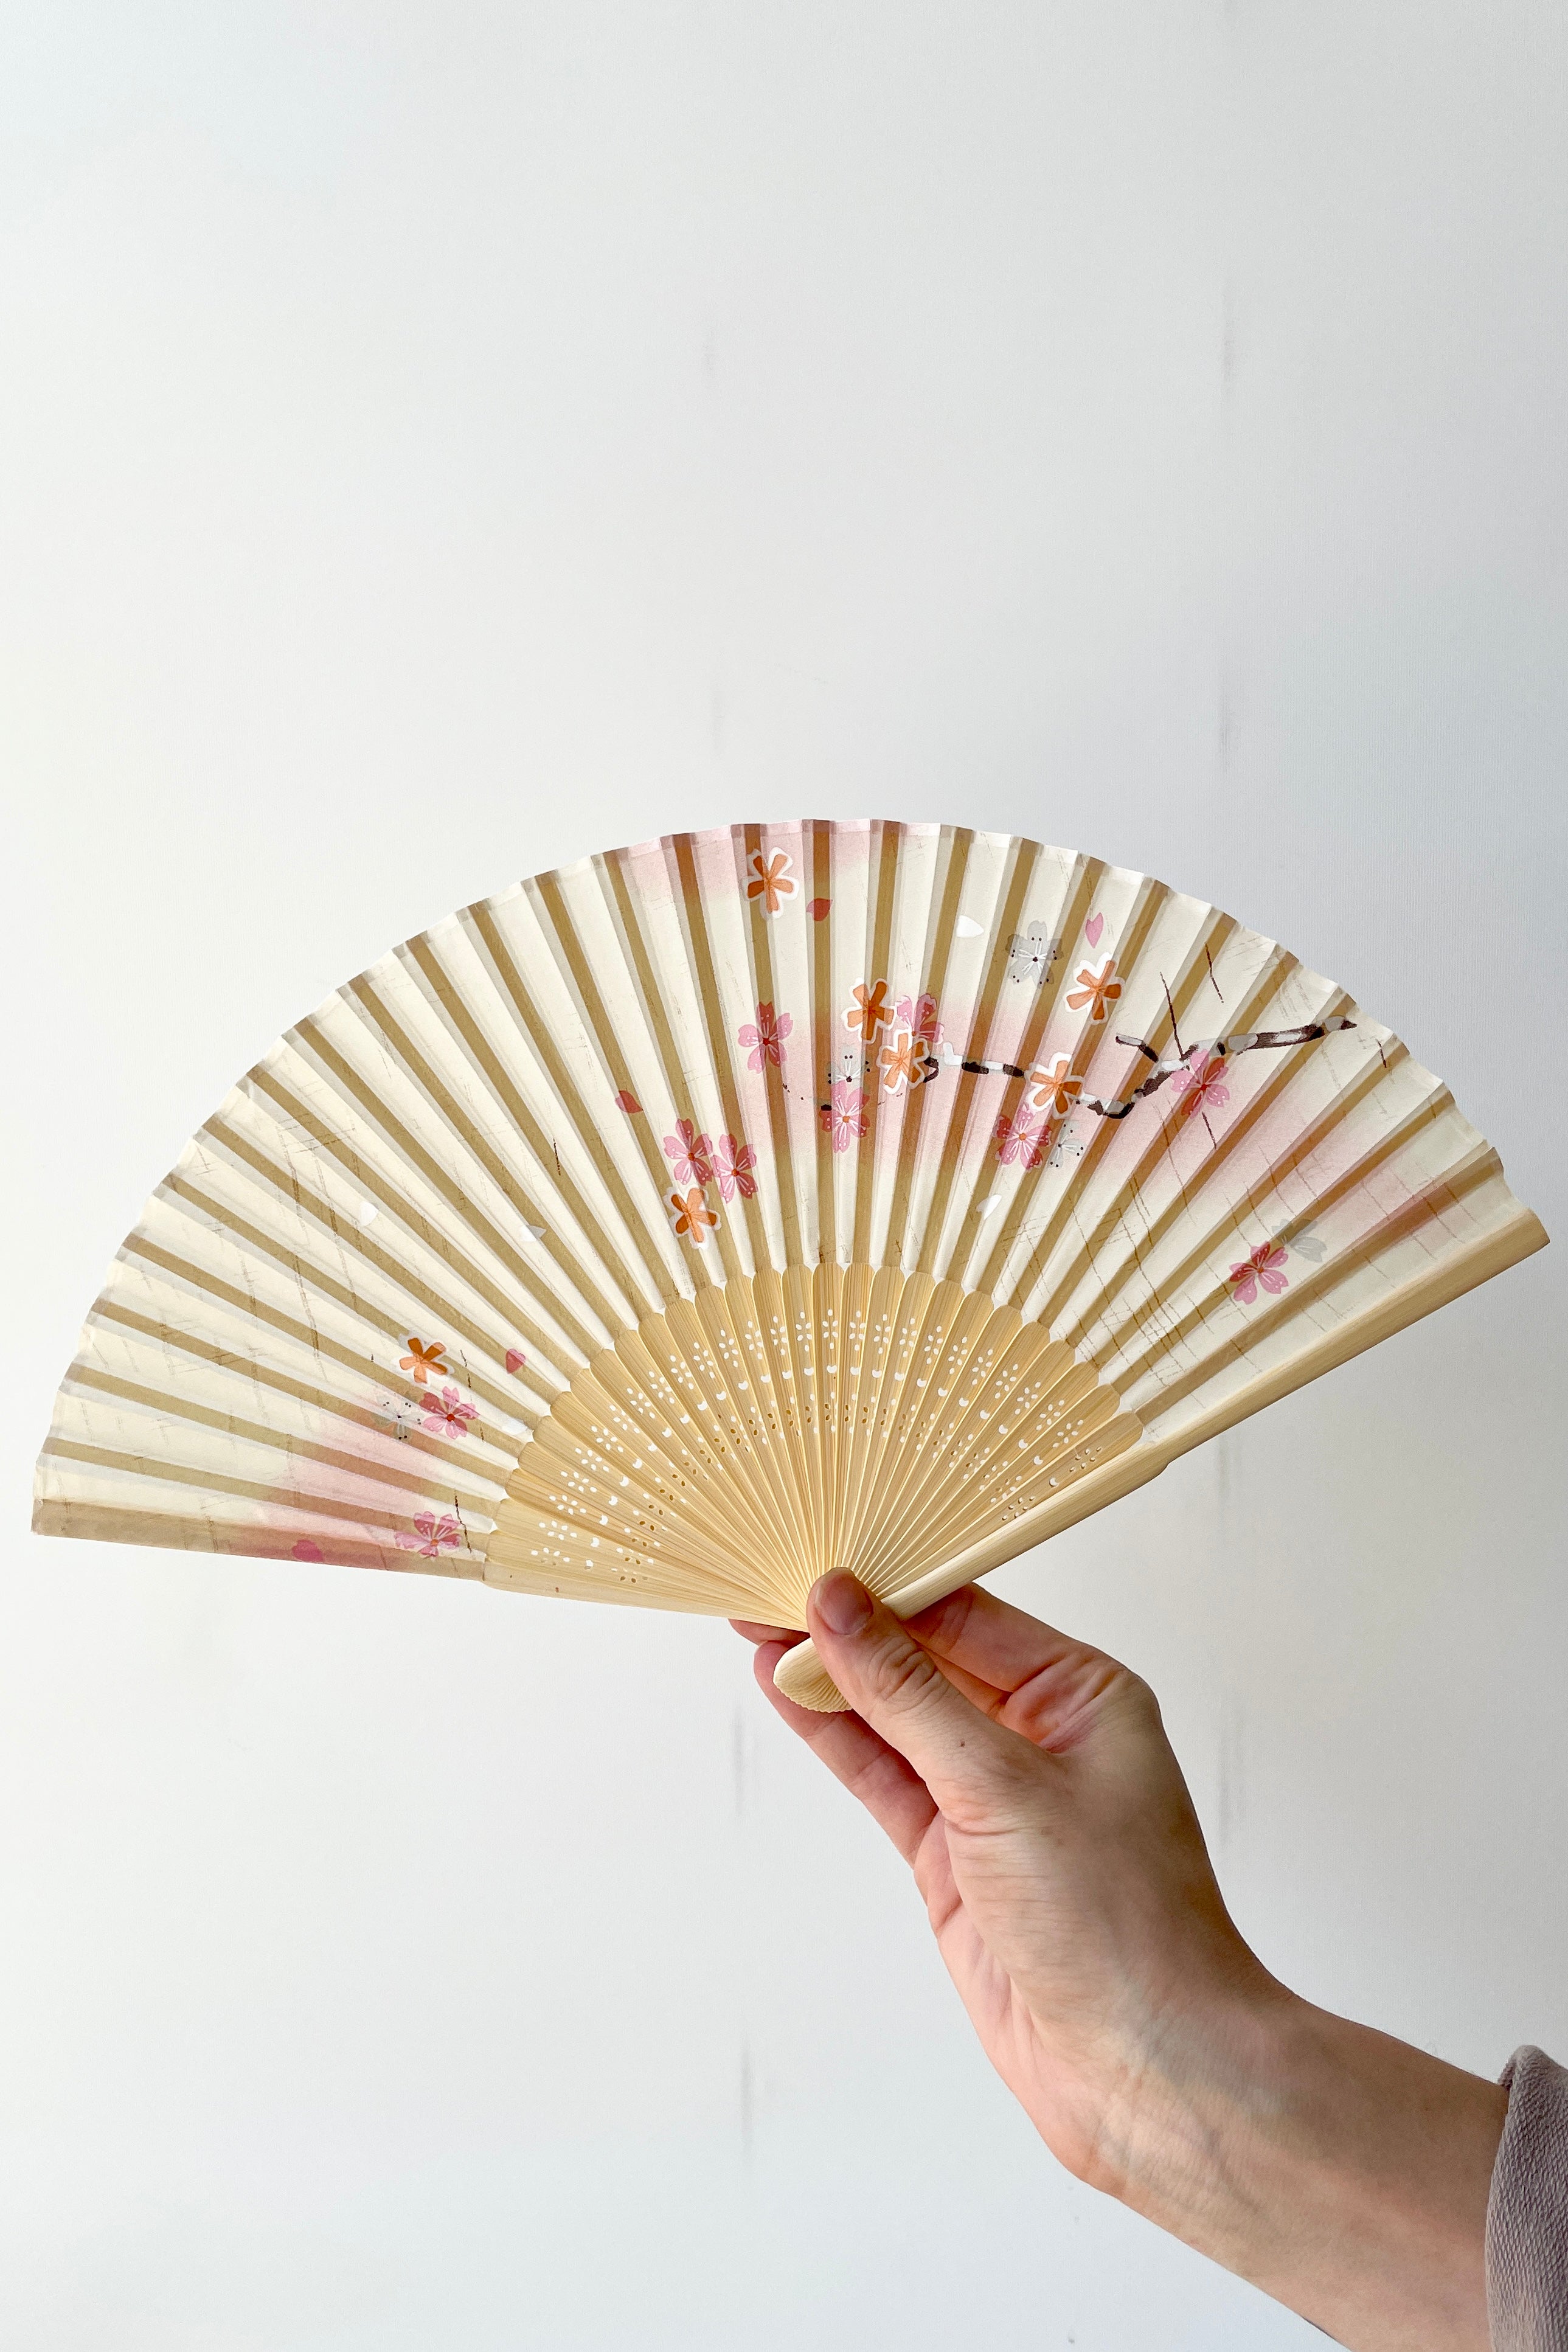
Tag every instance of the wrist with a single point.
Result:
(1179, 2100)
(1341, 2172)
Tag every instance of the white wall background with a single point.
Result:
(438, 439)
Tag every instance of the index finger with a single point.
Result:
(993, 1645)
(888, 1786)
(750, 1630)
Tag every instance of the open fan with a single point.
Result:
(673, 1227)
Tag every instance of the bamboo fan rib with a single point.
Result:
(677, 1225)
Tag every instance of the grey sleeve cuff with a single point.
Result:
(1527, 2216)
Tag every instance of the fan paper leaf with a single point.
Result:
(672, 1227)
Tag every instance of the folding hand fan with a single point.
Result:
(673, 1227)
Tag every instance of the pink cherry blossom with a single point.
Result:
(1202, 1083)
(689, 1151)
(733, 1162)
(843, 1116)
(1263, 1266)
(918, 1014)
(1022, 1139)
(445, 1415)
(765, 1036)
(439, 1535)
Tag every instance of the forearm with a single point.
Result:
(1028, 1782)
(1344, 2172)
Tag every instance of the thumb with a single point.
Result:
(901, 1691)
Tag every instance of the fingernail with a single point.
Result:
(842, 1602)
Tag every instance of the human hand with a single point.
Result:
(1027, 1781)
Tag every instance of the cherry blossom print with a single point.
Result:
(447, 1415)
(771, 879)
(1262, 1268)
(765, 1036)
(1030, 955)
(515, 1359)
(817, 907)
(422, 1360)
(843, 1116)
(1093, 929)
(902, 1062)
(690, 1152)
(694, 1220)
(1022, 1139)
(869, 1011)
(919, 1016)
(626, 1100)
(1201, 1084)
(432, 1536)
(1098, 987)
(306, 1549)
(1052, 1088)
(402, 1412)
(734, 1163)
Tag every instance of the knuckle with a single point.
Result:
(1139, 1697)
(901, 1676)
(945, 1620)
